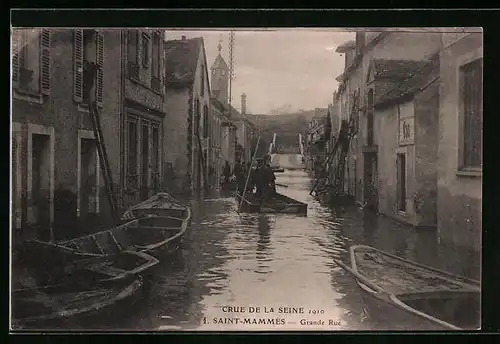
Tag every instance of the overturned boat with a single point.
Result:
(416, 296)
(279, 203)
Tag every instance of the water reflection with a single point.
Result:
(271, 260)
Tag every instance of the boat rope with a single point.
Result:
(248, 174)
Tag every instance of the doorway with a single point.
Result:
(401, 170)
(88, 177)
(371, 181)
(40, 184)
(145, 162)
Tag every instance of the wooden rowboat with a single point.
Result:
(155, 235)
(65, 303)
(418, 297)
(278, 204)
(59, 288)
(161, 204)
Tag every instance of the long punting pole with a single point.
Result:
(248, 174)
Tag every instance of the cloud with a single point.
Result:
(282, 66)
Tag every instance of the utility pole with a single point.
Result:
(231, 65)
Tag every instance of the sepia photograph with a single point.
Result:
(246, 179)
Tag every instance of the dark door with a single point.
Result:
(401, 182)
(40, 184)
(145, 162)
(371, 181)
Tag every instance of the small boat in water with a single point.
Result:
(279, 203)
(63, 303)
(55, 290)
(156, 235)
(396, 290)
(161, 204)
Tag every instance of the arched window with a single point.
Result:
(369, 118)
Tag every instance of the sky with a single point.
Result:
(279, 68)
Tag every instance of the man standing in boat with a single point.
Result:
(226, 172)
(239, 173)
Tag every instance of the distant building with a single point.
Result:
(186, 144)
(460, 151)
(402, 133)
(353, 84)
(246, 130)
(226, 134)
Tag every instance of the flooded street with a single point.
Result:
(273, 261)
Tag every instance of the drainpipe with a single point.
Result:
(122, 116)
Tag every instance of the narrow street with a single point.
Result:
(272, 261)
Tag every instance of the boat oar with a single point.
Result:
(282, 185)
(360, 277)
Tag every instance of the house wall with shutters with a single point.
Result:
(59, 107)
(459, 190)
(143, 95)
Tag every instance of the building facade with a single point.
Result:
(143, 115)
(187, 125)
(404, 134)
(353, 93)
(460, 140)
(56, 179)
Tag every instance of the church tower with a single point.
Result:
(220, 78)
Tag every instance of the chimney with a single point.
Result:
(243, 104)
(183, 37)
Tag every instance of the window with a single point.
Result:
(471, 99)
(401, 170)
(197, 117)
(88, 48)
(132, 176)
(31, 61)
(205, 121)
(369, 118)
(145, 50)
(156, 64)
(155, 158)
(132, 53)
(202, 81)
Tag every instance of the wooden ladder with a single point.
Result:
(90, 75)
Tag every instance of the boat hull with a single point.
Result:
(402, 294)
(280, 204)
(39, 308)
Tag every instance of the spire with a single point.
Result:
(219, 47)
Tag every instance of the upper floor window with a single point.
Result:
(202, 81)
(88, 47)
(205, 121)
(31, 61)
(471, 101)
(133, 53)
(145, 50)
(156, 63)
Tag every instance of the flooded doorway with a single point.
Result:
(145, 161)
(89, 170)
(371, 181)
(40, 185)
(401, 171)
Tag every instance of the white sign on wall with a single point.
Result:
(406, 131)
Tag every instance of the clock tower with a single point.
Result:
(220, 78)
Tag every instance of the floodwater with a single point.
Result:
(274, 263)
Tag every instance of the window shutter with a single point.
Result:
(45, 61)
(100, 71)
(16, 48)
(78, 65)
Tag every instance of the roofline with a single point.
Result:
(357, 60)
(346, 46)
